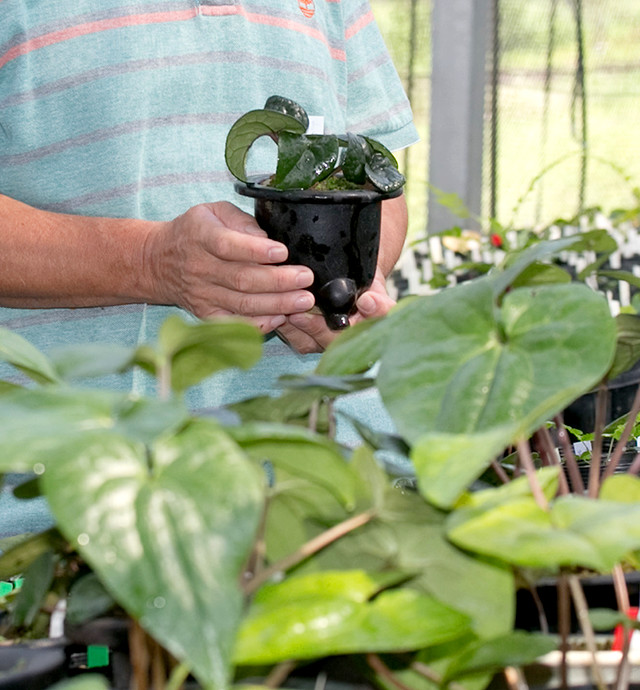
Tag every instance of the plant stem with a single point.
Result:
(376, 663)
(596, 452)
(545, 446)
(164, 380)
(308, 549)
(431, 675)
(569, 457)
(279, 674)
(500, 472)
(582, 612)
(178, 676)
(524, 455)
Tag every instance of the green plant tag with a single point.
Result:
(97, 656)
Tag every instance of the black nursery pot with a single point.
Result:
(335, 233)
(32, 665)
(621, 391)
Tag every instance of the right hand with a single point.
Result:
(214, 260)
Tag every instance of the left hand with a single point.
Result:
(307, 332)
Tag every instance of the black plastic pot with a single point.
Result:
(335, 233)
(598, 590)
(32, 665)
(621, 391)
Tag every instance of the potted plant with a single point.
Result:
(323, 201)
(473, 376)
(245, 550)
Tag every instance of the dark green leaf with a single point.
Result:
(353, 165)
(250, 127)
(304, 160)
(383, 174)
(288, 107)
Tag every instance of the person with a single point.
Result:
(116, 207)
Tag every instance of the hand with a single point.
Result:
(308, 332)
(214, 260)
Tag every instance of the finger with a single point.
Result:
(372, 303)
(315, 327)
(232, 235)
(261, 304)
(255, 278)
(298, 340)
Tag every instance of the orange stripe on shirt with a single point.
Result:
(269, 20)
(92, 28)
(358, 25)
(158, 18)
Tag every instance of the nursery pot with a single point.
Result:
(335, 233)
(32, 665)
(598, 590)
(621, 391)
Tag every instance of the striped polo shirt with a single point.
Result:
(121, 108)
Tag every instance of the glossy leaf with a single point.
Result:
(383, 174)
(304, 160)
(353, 165)
(319, 618)
(248, 128)
(288, 107)
(20, 353)
(168, 530)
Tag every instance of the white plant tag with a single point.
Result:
(316, 124)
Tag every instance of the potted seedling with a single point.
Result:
(474, 377)
(323, 201)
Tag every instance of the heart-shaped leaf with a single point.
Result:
(168, 530)
(248, 128)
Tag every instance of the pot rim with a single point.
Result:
(253, 188)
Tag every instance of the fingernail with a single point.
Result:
(366, 304)
(276, 322)
(278, 254)
(304, 302)
(304, 279)
(253, 229)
